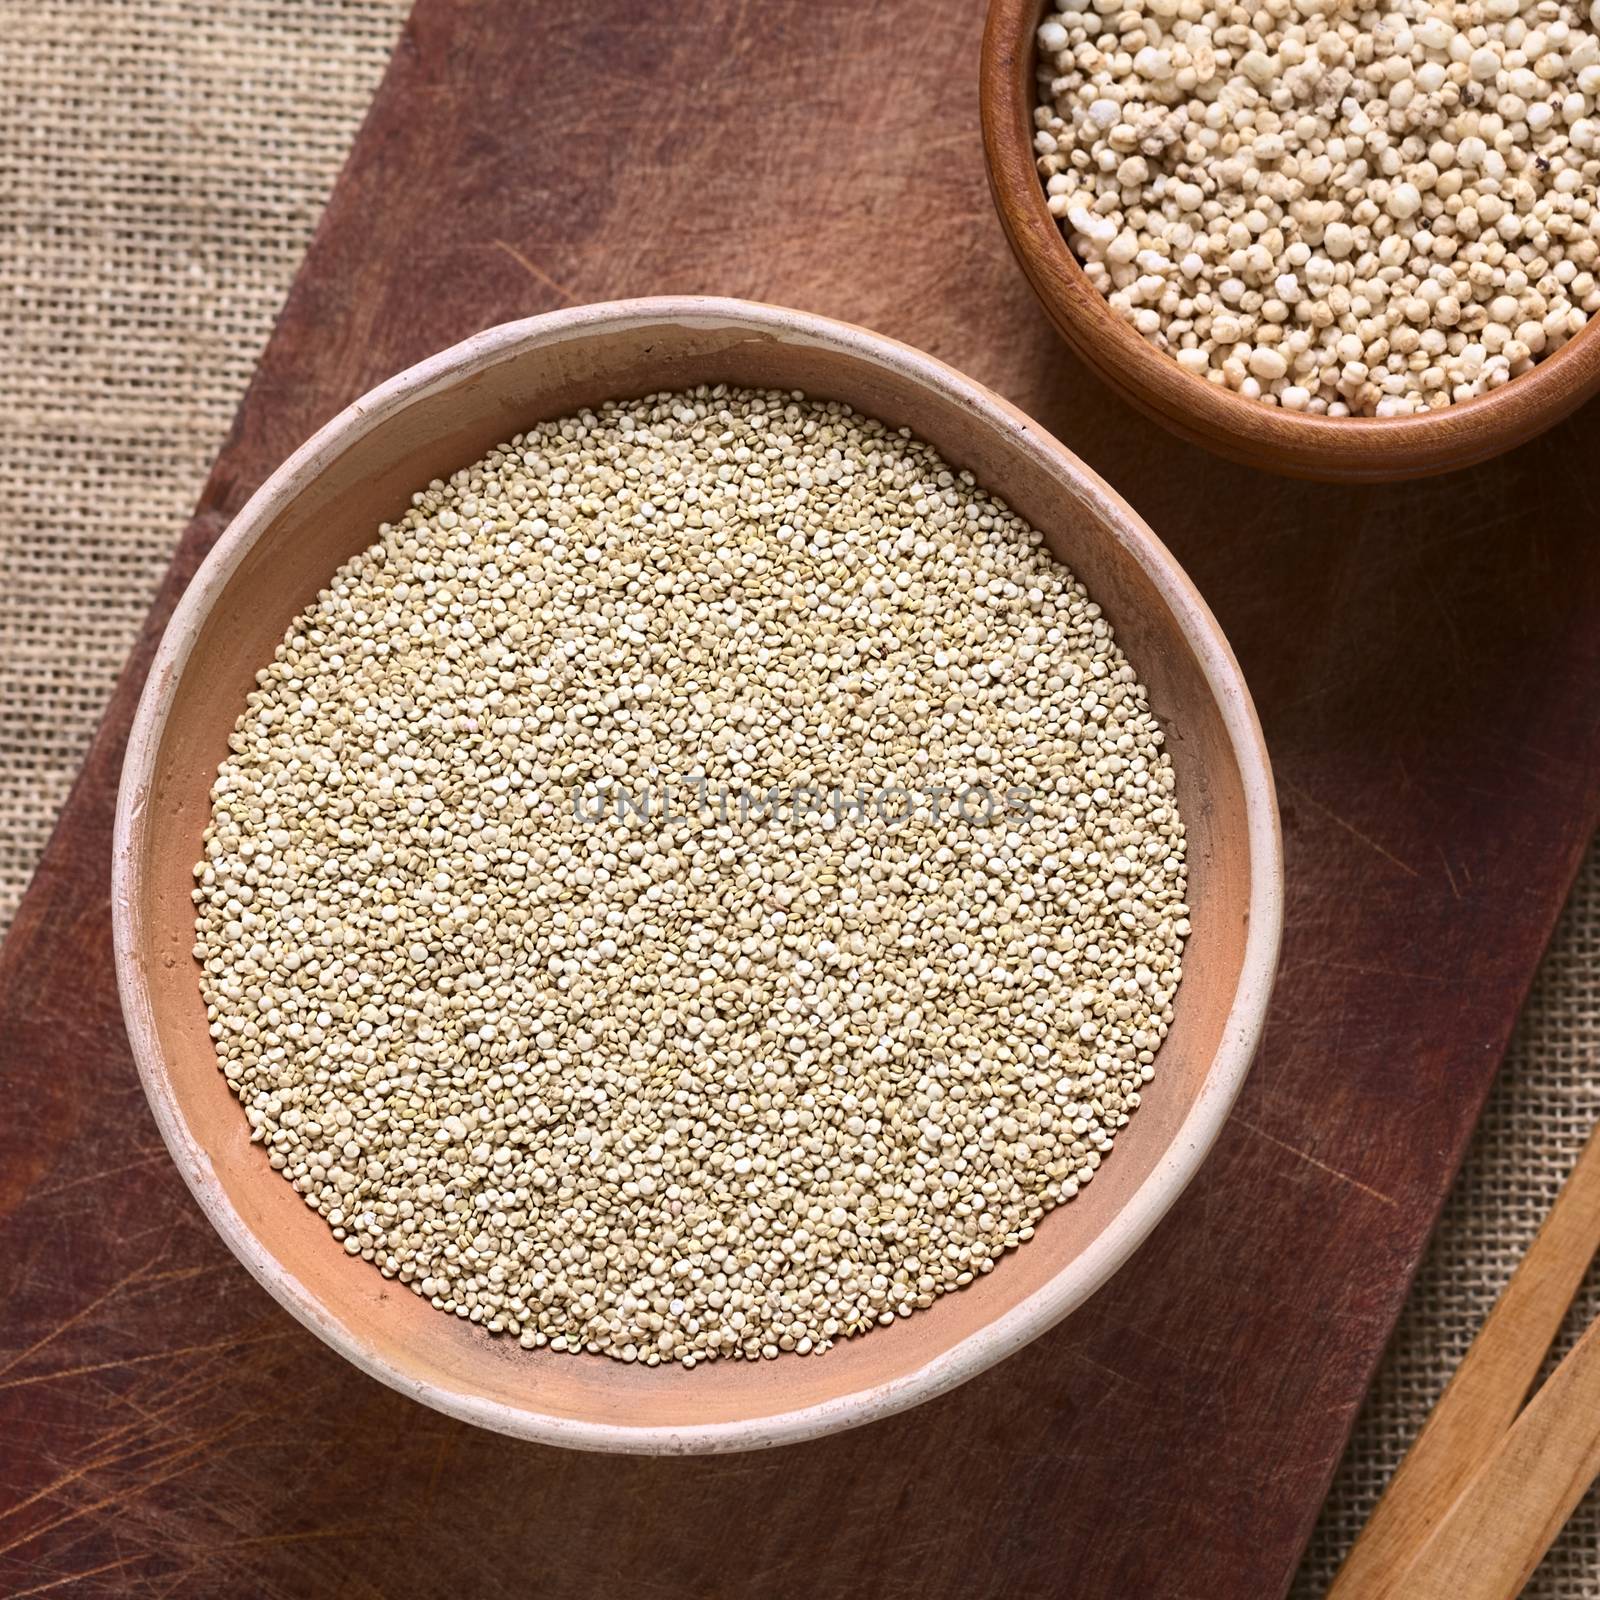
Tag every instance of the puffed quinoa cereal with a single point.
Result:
(676, 1081)
(1334, 208)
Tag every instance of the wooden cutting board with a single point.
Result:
(1425, 664)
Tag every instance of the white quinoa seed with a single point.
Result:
(672, 1089)
(1343, 209)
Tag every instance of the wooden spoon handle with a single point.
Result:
(1497, 1532)
(1487, 1391)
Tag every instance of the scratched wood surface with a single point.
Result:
(1425, 664)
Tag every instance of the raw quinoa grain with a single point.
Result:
(787, 1055)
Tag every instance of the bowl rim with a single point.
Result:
(1022, 1322)
(1300, 444)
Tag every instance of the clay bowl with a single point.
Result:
(323, 505)
(1333, 449)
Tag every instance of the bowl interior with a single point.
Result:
(328, 508)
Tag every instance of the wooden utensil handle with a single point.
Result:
(1488, 1389)
(1497, 1532)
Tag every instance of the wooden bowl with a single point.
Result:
(1334, 449)
(323, 505)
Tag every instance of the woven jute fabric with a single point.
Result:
(165, 161)
(162, 164)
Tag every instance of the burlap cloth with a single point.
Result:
(164, 162)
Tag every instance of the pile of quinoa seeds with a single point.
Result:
(671, 1081)
(1357, 209)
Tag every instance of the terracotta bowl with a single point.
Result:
(1334, 449)
(322, 506)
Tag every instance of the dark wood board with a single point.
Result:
(1424, 660)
